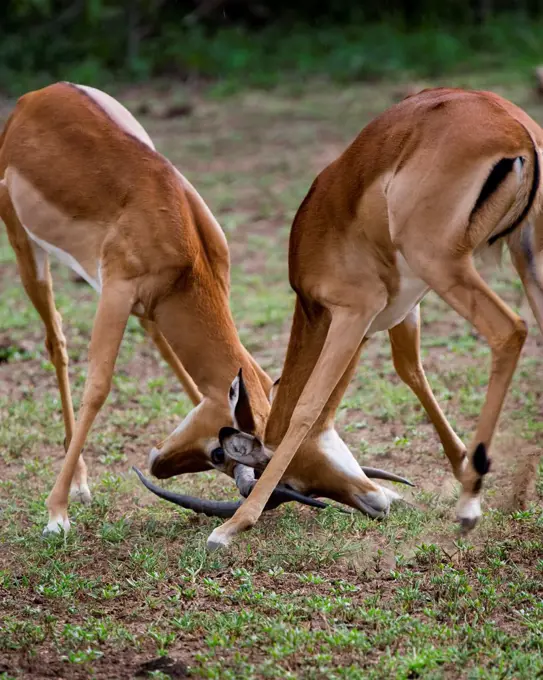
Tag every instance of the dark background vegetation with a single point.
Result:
(258, 42)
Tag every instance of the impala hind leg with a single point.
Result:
(405, 343)
(114, 308)
(33, 265)
(171, 358)
(345, 334)
(526, 247)
(459, 284)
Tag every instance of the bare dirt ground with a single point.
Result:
(305, 594)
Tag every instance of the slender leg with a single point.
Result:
(405, 343)
(114, 308)
(347, 330)
(33, 264)
(172, 360)
(526, 248)
(459, 284)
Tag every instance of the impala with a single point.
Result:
(441, 178)
(80, 179)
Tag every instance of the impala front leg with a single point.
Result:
(347, 330)
(39, 288)
(113, 311)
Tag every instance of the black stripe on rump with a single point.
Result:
(497, 175)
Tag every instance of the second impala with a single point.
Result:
(440, 178)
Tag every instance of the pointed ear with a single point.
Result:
(243, 448)
(273, 390)
(240, 406)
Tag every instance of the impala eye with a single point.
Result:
(217, 456)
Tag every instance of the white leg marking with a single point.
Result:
(218, 540)
(80, 492)
(468, 510)
(57, 524)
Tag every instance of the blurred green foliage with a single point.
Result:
(258, 41)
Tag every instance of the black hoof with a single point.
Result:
(467, 524)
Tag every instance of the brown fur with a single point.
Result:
(406, 187)
(161, 256)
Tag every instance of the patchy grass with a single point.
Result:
(306, 594)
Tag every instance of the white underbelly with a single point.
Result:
(52, 232)
(41, 247)
(63, 257)
(410, 293)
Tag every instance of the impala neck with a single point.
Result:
(201, 331)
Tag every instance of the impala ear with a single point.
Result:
(243, 448)
(240, 406)
(273, 390)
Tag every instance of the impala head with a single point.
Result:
(324, 465)
(194, 445)
(228, 436)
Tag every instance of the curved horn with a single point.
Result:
(225, 509)
(198, 505)
(245, 481)
(285, 495)
(376, 473)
